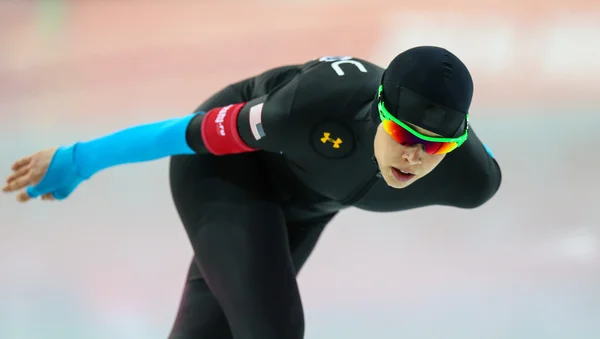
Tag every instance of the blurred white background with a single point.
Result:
(110, 261)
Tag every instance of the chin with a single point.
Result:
(400, 185)
(393, 183)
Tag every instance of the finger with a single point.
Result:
(18, 173)
(23, 197)
(18, 184)
(48, 196)
(21, 162)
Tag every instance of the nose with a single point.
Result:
(413, 154)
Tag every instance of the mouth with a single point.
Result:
(401, 175)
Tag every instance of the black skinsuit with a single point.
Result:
(253, 218)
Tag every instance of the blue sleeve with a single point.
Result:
(135, 144)
(73, 164)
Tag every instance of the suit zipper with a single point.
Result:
(361, 191)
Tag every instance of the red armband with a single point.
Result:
(220, 133)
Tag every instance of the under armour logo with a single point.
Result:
(326, 138)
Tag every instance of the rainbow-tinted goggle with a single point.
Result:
(407, 136)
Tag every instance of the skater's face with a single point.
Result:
(402, 165)
(406, 152)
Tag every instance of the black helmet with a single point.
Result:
(429, 87)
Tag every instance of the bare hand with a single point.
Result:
(27, 172)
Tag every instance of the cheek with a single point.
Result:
(431, 161)
(388, 151)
